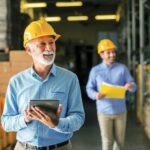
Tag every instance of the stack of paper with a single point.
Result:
(112, 91)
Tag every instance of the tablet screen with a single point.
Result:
(49, 105)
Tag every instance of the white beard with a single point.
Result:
(41, 58)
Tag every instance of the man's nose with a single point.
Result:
(48, 46)
(112, 54)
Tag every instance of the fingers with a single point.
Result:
(97, 96)
(39, 114)
(103, 95)
(100, 96)
(128, 86)
(50, 119)
(27, 116)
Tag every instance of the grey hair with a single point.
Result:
(30, 45)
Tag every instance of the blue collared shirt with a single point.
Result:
(60, 84)
(117, 74)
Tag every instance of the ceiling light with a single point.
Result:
(105, 17)
(53, 19)
(77, 18)
(34, 5)
(69, 4)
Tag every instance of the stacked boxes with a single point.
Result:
(1, 130)
(4, 76)
(147, 102)
(19, 60)
(147, 119)
(4, 136)
(6, 139)
(143, 112)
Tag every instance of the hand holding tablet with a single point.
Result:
(48, 111)
(49, 105)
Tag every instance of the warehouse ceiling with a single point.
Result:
(90, 8)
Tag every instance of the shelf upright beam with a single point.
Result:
(128, 35)
(141, 33)
(134, 40)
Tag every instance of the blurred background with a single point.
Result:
(82, 23)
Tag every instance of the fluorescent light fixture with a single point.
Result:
(105, 17)
(53, 19)
(35, 5)
(77, 18)
(69, 4)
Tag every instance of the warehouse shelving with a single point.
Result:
(137, 36)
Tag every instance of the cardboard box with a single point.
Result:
(2, 101)
(1, 138)
(147, 88)
(16, 64)
(17, 70)
(4, 139)
(3, 88)
(147, 68)
(11, 138)
(19, 56)
(5, 66)
(5, 77)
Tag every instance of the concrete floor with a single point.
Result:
(88, 137)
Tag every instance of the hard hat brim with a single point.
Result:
(57, 36)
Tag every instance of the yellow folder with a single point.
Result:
(112, 91)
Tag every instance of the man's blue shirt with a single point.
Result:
(60, 84)
(117, 74)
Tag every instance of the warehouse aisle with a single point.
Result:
(88, 138)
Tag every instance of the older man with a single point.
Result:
(44, 80)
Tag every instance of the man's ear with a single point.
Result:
(28, 50)
(101, 54)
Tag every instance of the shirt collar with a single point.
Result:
(106, 66)
(52, 71)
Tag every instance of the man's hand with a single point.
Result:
(27, 117)
(50, 119)
(99, 96)
(128, 86)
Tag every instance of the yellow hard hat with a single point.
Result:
(37, 29)
(105, 45)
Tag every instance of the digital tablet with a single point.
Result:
(48, 106)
